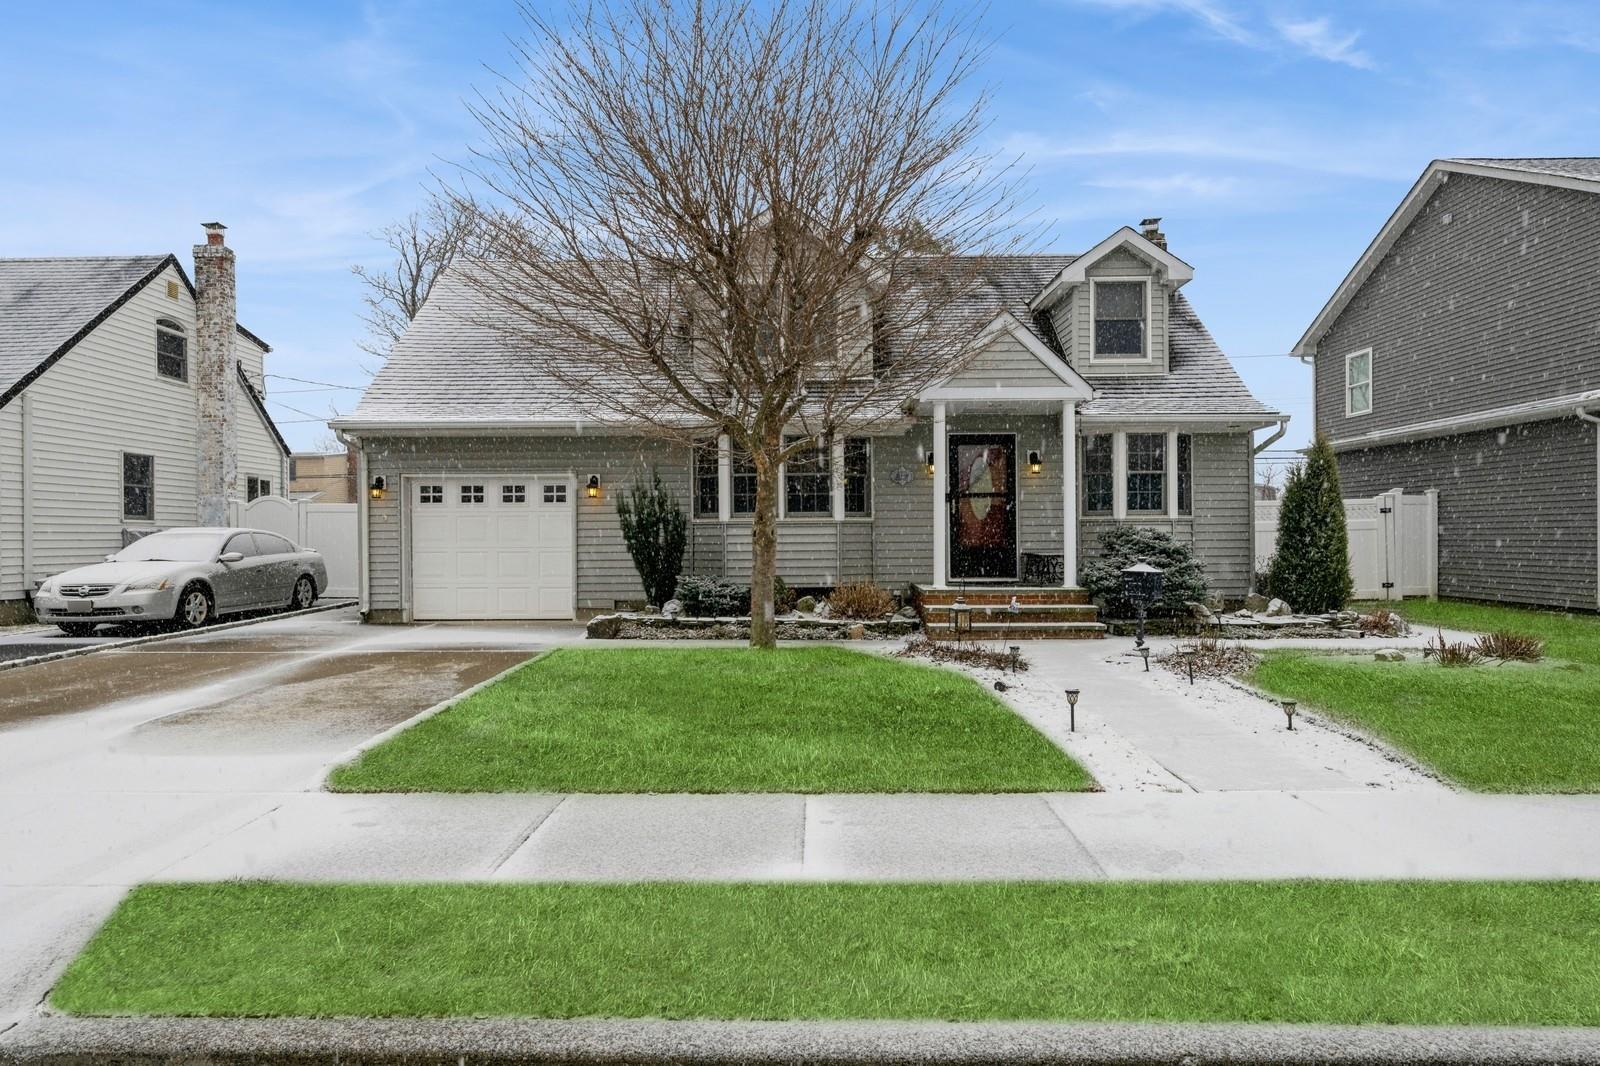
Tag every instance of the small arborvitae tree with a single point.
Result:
(1311, 569)
(1183, 578)
(655, 530)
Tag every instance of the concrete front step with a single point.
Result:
(1025, 614)
(1022, 630)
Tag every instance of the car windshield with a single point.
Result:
(171, 548)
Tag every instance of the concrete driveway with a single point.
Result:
(115, 766)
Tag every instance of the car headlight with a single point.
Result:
(48, 587)
(149, 584)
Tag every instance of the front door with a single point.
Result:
(983, 507)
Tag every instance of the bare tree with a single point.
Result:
(423, 243)
(720, 217)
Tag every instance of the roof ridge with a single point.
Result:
(82, 258)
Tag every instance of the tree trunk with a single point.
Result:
(764, 556)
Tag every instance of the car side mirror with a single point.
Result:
(111, 558)
(231, 557)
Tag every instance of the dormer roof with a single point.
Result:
(1169, 266)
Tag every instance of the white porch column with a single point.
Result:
(1069, 493)
(941, 516)
(1119, 476)
(836, 469)
(1171, 474)
(724, 479)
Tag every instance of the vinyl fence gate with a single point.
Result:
(330, 528)
(1394, 543)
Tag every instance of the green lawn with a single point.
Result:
(1493, 727)
(720, 720)
(1342, 952)
(1574, 637)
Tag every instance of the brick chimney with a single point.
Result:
(216, 376)
(1150, 229)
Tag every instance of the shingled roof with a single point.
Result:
(1584, 167)
(48, 305)
(452, 368)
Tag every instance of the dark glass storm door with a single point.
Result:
(983, 507)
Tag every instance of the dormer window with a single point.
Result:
(172, 350)
(1120, 312)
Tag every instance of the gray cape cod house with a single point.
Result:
(1462, 354)
(1098, 398)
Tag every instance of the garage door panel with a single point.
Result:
(492, 548)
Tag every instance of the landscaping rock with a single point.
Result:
(806, 604)
(604, 627)
(857, 632)
(906, 614)
(1255, 603)
(672, 608)
(1278, 609)
(1389, 655)
(1201, 613)
(823, 610)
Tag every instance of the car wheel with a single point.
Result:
(305, 594)
(76, 629)
(194, 608)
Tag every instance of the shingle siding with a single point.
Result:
(1516, 508)
(1491, 297)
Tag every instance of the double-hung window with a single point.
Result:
(256, 487)
(743, 483)
(172, 350)
(1147, 473)
(808, 480)
(138, 486)
(857, 476)
(706, 501)
(1185, 474)
(1358, 383)
(1119, 319)
(1099, 481)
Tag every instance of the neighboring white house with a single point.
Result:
(130, 401)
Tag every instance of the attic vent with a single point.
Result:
(172, 289)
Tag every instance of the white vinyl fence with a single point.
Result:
(1394, 543)
(330, 528)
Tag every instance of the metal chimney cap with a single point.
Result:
(1150, 223)
(210, 227)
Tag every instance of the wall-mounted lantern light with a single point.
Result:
(1035, 462)
(594, 486)
(930, 464)
(377, 487)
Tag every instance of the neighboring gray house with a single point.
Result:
(1462, 353)
(130, 400)
(476, 475)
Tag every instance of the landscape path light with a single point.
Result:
(1016, 657)
(1072, 710)
(1144, 653)
(1141, 584)
(1289, 708)
(961, 617)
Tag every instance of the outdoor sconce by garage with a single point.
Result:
(594, 487)
(377, 487)
(1035, 462)
(1072, 710)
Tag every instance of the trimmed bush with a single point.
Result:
(862, 600)
(712, 597)
(1183, 581)
(655, 531)
(1311, 567)
(783, 597)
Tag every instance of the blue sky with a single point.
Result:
(1273, 137)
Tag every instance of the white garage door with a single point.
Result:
(492, 547)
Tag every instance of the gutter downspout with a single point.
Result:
(25, 414)
(1595, 421)
(363, 596)
(1283, 427)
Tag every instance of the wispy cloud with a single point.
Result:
(1197, 186)
(1317, 37)
(1214, 17)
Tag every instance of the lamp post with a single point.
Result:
(1141, 584)
(1072, 710)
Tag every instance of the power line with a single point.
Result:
(308, 381)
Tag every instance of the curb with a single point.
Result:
(155, 638)
(350, 756)
(60, 1039)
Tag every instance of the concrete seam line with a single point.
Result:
(57, 1038)
(1094, 859)
(156, 638)
(347, 757)
(522, 840)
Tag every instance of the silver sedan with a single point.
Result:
(184, 576)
